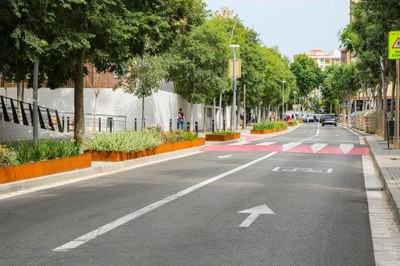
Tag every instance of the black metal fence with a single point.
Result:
(20, 112)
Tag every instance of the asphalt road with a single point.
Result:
(219, 207)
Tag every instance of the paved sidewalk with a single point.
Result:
(387, 162)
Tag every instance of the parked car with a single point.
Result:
(329, 120)
(308, 118)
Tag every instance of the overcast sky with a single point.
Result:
(295, 26)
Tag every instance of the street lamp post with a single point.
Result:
(234, 46)
(283, 100)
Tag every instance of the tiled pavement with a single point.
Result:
(387, 162)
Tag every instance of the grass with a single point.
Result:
(223, 132)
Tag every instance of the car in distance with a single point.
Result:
(308, 118)
(329, 120)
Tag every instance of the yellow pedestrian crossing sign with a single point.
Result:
(394, 45)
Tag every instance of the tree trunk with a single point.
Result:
(142, 119)
(205, 118)
(79, 120)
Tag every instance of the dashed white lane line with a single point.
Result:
(127, 218)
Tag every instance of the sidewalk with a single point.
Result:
(387, 162)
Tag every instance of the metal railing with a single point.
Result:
(21, 112)
(96, 122)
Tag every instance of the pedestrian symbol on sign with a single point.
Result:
(396, 44)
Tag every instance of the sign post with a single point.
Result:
(394, 54)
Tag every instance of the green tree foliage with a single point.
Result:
(65, 35)
(308, 75)
(144, 77)
(199, 67)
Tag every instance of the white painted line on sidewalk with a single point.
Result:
(316, 147)
(224, 156)
(127, 218)
(346, 148)
(239, 143)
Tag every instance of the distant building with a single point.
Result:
(325, 60)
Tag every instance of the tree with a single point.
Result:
(200, 64)
(65, 35)
(308, 74)
(144, 77)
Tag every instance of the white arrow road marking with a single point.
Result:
(224, 156)
(254, 213)
(346, 148)
(266, 143)
(131, 216)
(362, 140)
(316, 147)
(290, 145)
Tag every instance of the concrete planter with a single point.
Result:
(213, 137)
(42, 168)
(113, 156)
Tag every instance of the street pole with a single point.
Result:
(283, 100)
(397, 127)
(35, 101)
(244, 107)
(234, 46)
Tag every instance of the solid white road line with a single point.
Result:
(127, 218)
(316, 147)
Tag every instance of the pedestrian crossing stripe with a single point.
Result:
(292, 147)
(396, 44)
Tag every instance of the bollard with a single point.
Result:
(177, 124)
(390, 131)
(63, 124)
(99, 124)
(170, 125)
(135, 124)
(224, 125)
(196, 128)
(212, 125)
(188, 126)
(110, 123)
(68, 124)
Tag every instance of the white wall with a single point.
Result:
(11, 132)
(159, 108)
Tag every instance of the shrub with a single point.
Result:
(263, 125)
(280, 125)
(223, 132)
(8, 156)
(124, 141)
(46, 149)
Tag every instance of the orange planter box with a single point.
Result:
(42, 168)
(264, 131)
(114, 156)
(212, 137)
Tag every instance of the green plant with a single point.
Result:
(8, 156)
(46, 149)
(263, 125)
(280, 125)
(223, 132)
(124, 141)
